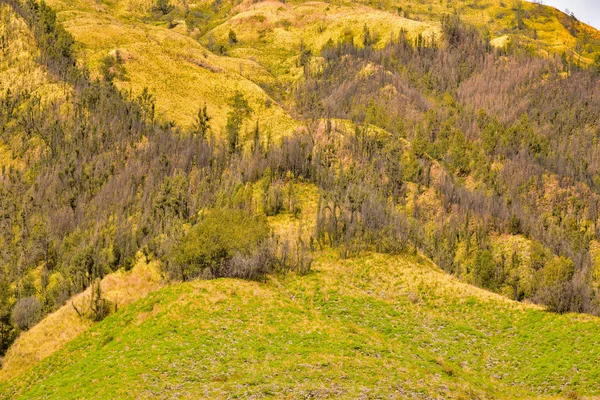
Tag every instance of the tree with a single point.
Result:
(27, 312)
(596, 65)
(8, 332)
(112, 67)
(215, 240)
(100, 307)
(202, 126)
(519, 15)
(240, 110)
(367, 38)
(164, 7)
(232, 37)
(459, 154)
(485, 270)
(147, 104)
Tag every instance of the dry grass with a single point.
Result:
(62, 326)
(426, 332)
(290, 228)
(19, 71)
(500, 41)
(271, 32)
(179, 72)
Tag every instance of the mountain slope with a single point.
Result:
(63, 325)
(375, 326)
(187, 59)
(457, 150)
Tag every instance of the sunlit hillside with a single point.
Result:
(298, 199)
(325, 335)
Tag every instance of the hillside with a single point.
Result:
(189, 49)
(324, 335)
(215, 199)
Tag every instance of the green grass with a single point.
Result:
(374, 326)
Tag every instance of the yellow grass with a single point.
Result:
(400, 277)
(271, 32)
(179, 72)
(289, 228)
(65, 324)
(19, 71)
(500, 41)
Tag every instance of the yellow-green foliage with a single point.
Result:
(62, 326)
(19, 71)
(180, 73)
(272, 32)
(425, 333)
(595, 254)
(220, 234)
(291, 227)
(514, 251)
(183, 74)
(499, 19)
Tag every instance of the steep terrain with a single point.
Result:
(160, 53)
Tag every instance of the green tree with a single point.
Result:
(484, 271)
(8, 332)
(240, 110)
(367, 37)
(459, 154)
(163, 6)
(202, 126)
(112, 66)
(147, 104)
(232, 38)
(217, 238)
(596, 65)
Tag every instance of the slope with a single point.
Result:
(62, 326)
(21, 75)
(370, 326)
(527, 23)
(180, 73)
(186, 57)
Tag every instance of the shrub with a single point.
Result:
(252, 266)
(27, 312)
(210, 246)
(163, 7)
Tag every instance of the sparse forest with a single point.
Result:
(453, 143)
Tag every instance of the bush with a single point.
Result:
(252, 266)
(221, 244)
(27, 312)
(163, 7)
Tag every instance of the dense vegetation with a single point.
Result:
(110, 180)
(509, 163)
(451, 145)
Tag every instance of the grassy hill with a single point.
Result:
(372, 326)
(422, 170)
(64, 325)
